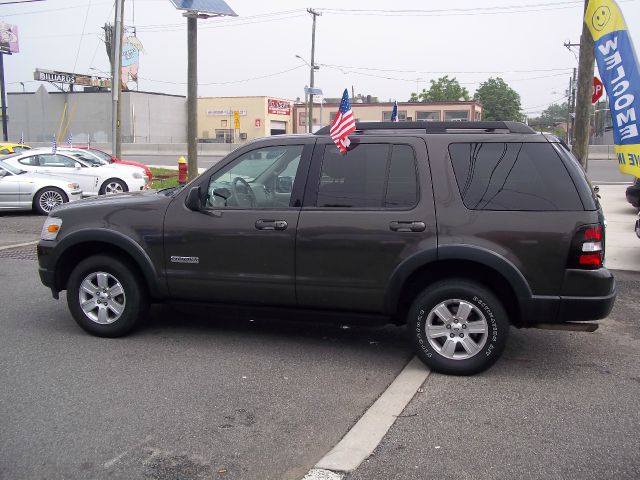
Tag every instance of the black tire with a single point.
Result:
(113, 185)
(473, 351)
(47, 198)
(102, 272)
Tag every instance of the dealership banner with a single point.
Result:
(618, 68)
(278, 107)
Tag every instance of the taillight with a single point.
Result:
(587, 247)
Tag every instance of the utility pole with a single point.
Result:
(116, 60)
(5, 136)
(313, 67)
(192, 94)
(583, 96)
(572, 105)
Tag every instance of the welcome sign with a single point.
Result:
(618, 68)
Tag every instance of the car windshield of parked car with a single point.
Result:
(102, 155)
(87, 158)
(21, 148)
(9, 168)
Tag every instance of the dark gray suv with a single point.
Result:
(459, 230)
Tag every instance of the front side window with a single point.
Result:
(368, 176)
(261, 178)
(513, 176)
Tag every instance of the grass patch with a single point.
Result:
(164, 178)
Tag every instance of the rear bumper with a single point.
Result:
(585, 295)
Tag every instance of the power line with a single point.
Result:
(496, 10)
(84, 25)
(232, 82)
(70, 7)
(445, 71)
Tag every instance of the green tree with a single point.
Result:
(442, 90)
(499, 100)
(553, 119)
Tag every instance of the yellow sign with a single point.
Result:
(236, 119)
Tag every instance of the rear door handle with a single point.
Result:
(271, 224)
(407, 226)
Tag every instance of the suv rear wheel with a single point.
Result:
(458, 327)
(105, 297)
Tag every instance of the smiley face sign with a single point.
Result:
(601, 17)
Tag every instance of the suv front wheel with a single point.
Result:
(458, 327)
(105, 297)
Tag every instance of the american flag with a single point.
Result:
(394, 112)
(54, 145)
(21, 138)
(343, 124)
(70, 140)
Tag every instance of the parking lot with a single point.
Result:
(193, 394)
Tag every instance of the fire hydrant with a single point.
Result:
(182, 170)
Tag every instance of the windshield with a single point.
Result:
(21, 148)
(99, 153)
(87, 157)
(9, 168)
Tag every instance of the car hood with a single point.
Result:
(118, 201)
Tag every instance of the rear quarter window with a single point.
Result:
(513, 176)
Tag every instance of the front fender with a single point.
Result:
(116, 239)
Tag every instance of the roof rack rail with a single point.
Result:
(439, 127)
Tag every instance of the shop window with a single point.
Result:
(426, 116)
(456, 116)
(402, 116)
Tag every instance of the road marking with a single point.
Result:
(16, 245)
(360, 442)
(320, 474)
(116, 459)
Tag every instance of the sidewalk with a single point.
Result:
(622, 244)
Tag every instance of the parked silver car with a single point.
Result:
(20, 190)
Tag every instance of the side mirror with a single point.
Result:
(3, 173)
(194, 199)
(284, 184)
(78, 165)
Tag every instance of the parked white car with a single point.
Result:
(94, 178)
(20, 190)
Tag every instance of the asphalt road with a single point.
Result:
(558, 405)
(186, 397)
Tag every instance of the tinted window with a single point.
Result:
(402, 188)
(513, 176)
(368, 176)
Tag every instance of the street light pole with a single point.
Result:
(312, 68)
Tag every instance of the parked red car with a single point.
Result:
(111, 159)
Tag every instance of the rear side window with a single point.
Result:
(513, 176)
(368, 176)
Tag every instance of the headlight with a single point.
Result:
(73, 186)
(137, 175)
(51, 228)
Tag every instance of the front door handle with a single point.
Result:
(271, 224)
(407, 226)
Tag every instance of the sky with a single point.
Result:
(379, 48)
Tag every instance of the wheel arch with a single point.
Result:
(102, 188)
(75, 248)
(457, 261)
